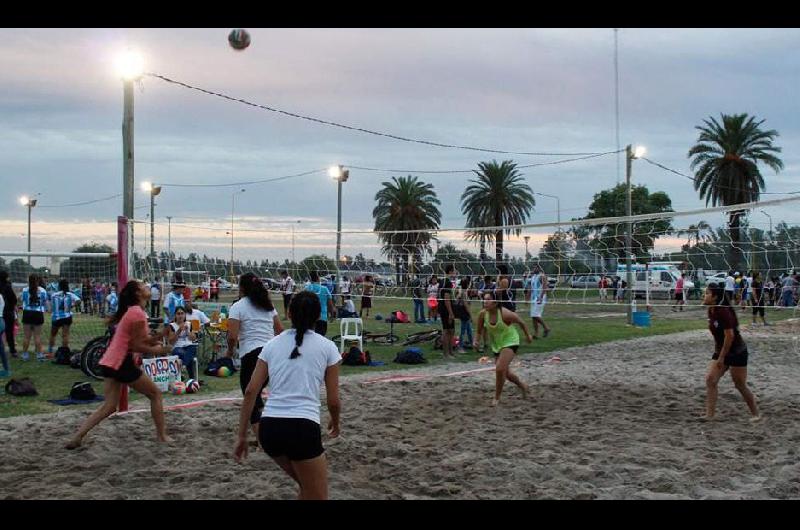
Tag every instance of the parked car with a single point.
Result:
(270, 284)
(588, 281)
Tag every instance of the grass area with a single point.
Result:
(572, 324)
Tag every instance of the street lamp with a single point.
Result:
(233, 204)
(292, 225)
(630, 155)
(526, 238)
(169, 240)
(339, 174)
(558, 206)
(130, 66)
(148, 187)
(30, 203)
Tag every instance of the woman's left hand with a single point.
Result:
(240, 450)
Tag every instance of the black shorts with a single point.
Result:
(366, 302)
(514, 348)
(127, 373)
(61, 323)
(738, 359)
(678, 296)
(294, 438)
(448, 324)
(32, 318)
(321, 327)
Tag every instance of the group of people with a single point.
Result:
(34, 302)
(294, 361)
(93, 296)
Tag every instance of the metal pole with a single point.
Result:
(616, 94)
(339, 225)
(292, 242)
(127, 157)
(233, 198)
(152, 223)
(29, 230)
(169, 241)
(628, 230)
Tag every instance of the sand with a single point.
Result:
(613, 421)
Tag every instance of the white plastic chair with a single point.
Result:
(344, 331)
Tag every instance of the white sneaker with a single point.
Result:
(26, 356)
(41, 357)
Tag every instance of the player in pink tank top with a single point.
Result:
(119, 365)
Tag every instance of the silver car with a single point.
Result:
(588, 281)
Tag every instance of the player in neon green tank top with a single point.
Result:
(504, 340)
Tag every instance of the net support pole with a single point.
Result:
(628, 228)
(122, 279)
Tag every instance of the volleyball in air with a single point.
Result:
(239, 39)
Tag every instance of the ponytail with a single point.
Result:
(33, 289)
(305, 309)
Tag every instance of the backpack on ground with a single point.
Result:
(215, 365)
(410, 356)
(401, 317)
(355, 357)
(82, 391)
(21, 387)
(62, 356)
(75, 361)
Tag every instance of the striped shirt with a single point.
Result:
(61, 304)
(174, 301)
(26, 300)
(113, 302)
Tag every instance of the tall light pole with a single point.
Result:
(169, 241)
(526, 238)
(630, 155)
(339, 174)
(292, 225)
(129, 66)
(558, 205)
(30, 203)
(233, 206)
(148, 187)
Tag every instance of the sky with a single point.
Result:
(533, 90)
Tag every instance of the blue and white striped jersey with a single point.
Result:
(26, 300)
(61, 304)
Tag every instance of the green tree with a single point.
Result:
(725, 161)
(406, 204)
(103, 269)
(609, 239)
(497, 197)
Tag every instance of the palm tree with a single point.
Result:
(726, 160)
(498, 197)
(406, 204)
(700, 232)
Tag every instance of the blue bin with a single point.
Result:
(641, 319)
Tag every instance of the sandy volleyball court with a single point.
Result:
(617, 420)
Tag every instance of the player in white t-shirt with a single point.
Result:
(252, 322)
(296, 362)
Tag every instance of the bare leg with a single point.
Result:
(286, 465)
(145, 385)
(535, 328)
(26, 342)
(52, 341)
(447, 343)
(712, 379)
(111, 389)
(37, 338)
(312, 475)
(502, 373)
(65, 336)
(739, 376)
(544, 326)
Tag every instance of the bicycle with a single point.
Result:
(92, 352)
(423, 336)
(377, 338)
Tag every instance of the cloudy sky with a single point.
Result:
(542, 90)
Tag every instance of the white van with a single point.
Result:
(657, 280)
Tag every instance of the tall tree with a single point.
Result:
(725, 161)
(609, 239)
(497, 197)
(406, 204)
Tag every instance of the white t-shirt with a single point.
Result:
(287, 285)
(255, 325)
(155, 293)
(294, 383)
(344, 287)
(183, 335)
(730, 284)
(349, 306)
(198, 315)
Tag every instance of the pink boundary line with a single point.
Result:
(188, 405)
(396, 378)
